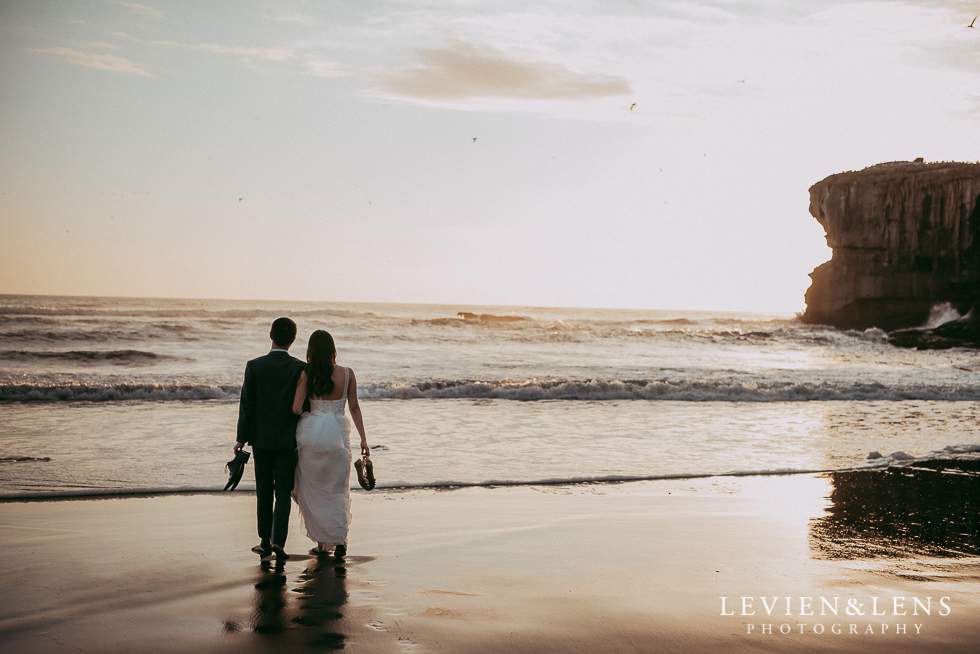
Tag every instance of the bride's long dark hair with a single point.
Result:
(320, 355)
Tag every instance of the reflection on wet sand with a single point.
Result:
(270, 602)
(932, 509)
(323, 595)
(306, 614)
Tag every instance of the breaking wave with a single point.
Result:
(677, 390)
(82, 392)
(526, 391)
(950, 453)
(112, 356)
(940, 314)
(489, 317)
(40, 314)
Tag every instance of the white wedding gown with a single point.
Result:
(322, 488)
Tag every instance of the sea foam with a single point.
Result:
(522, 391)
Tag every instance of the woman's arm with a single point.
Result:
(355, 413)
(300, 396)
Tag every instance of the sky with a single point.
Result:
(577, 153)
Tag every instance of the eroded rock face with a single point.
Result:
(904, 235)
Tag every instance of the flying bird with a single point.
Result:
(632, 105)
(741, 81)
(239, 199)
(474, 139)
(973, 21)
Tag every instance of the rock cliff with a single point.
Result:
(905, 235)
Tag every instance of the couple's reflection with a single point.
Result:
(932, 509)
(311, 611)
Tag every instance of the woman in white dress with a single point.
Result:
(322, 488)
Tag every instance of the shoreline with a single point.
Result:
(41, 496)
(964, 459)
(632, 566)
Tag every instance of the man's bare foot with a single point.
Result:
(280, 553)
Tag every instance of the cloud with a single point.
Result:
(104, 61)
(247, 53)
(295, 18)
(143, 10)
(311, 64)
(323, 68)
(468, 71)
(123, 35)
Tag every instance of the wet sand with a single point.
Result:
(633, 567)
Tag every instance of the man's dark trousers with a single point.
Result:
(275, 475)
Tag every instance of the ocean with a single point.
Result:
(129, 395)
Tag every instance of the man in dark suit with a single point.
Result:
(267, 422)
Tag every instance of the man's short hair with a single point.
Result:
(283, 332)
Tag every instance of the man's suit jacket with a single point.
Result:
(265, 414)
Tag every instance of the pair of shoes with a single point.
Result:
(280, 553)
(365, 473)
(235, 468)
(262, 549)
(340, 551)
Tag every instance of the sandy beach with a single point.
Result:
(634, 567)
